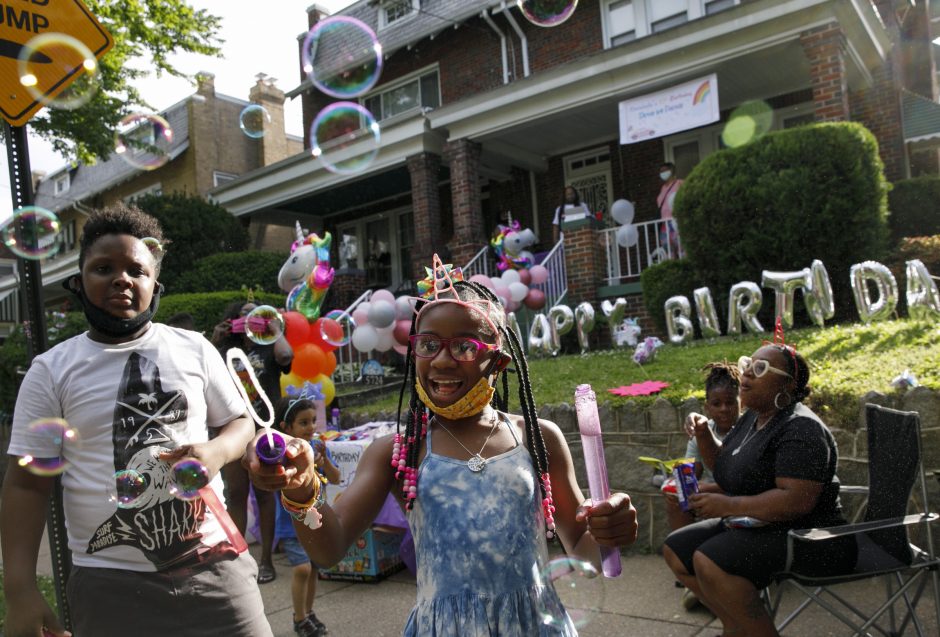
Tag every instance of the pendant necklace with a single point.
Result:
(477, 462)
(754, 430)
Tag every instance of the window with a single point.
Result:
(397, 10)
(219, 177)
(418, 91)
(62, 183)
(628, 20)
(68, 237)
(155, 189)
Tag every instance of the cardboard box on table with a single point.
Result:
(375, 554)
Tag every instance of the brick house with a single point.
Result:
(484, 114)
(208, 149)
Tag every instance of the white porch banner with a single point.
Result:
(679, 108)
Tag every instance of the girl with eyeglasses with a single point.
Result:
(475, 481)
(777, 471)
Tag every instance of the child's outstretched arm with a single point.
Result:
(582, 528)
(325, 465)
(355, 510)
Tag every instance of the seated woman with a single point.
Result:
(777, 465)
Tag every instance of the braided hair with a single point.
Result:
(722, 374)
(417, 414)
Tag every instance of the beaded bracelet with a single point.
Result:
(307, 512)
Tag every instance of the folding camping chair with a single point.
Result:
(884, 547)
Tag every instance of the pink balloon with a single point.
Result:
(535, 299)
(513, 306)
(539, 274)
(360, 315)
(525, 277)
(401, 349)
(402, 330)
(382, 295)
(483, 280)
(504, 300)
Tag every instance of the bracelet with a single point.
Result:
(308, 512)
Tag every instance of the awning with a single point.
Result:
(920, 118)
(6, 293)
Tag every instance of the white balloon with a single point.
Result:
(404, 307)
(382, 295)
(365, 338)
(627, 236)
(386, 339)
(510, 276)
(622, 211)
(518, 291)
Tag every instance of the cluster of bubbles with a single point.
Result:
(31, 233)
(342, 57)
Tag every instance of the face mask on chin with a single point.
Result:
(105, 323)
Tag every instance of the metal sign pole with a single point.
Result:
(34, 319)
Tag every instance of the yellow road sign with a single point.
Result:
(24, 20)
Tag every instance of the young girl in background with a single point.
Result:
(296, 417)
(476, 482)
(722, 408)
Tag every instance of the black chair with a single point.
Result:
(884, 547)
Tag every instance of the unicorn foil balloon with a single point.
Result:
(307, 275)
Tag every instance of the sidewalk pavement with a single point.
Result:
(642, 601)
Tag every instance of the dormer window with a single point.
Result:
(62, 183)
(394, 11)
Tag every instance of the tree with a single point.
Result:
(193, 228)
(143, 30)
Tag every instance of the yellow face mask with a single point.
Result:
(473, 402)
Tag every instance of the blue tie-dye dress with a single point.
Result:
(480, 546)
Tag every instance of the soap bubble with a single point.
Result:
(189, 476)
(345, 137)
(126, 488)
(47, 60)
(580, 588)
(254, 120)
(143, 140)
(32, 232)
(342, 57)
(337, 328)
(547, 13)
(748, 122)
(264, 325)
(54, 432)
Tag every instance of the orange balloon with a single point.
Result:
(309, 360)
(330, 359)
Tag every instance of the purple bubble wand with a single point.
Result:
(589, 422)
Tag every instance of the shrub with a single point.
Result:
(663, 280)
(815, 192)
(227, 270)
(915, 208)
(195, 229)
(207, 308)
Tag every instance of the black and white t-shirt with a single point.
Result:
(128, 402)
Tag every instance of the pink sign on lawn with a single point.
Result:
(640, 389)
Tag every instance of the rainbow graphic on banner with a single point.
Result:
(702, 92)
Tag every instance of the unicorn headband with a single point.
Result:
(308, 391)
(438, 287)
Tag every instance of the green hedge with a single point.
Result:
(227, 270)
(207, 308)
(814, 192)
(915, 208)
(663, 280)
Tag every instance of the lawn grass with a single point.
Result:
(846, 361)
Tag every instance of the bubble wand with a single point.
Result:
(589, 422)
(231, 356)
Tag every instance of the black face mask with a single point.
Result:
(106, 323)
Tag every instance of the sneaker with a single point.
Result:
(316, 622)
(689, 600)
(306, 628)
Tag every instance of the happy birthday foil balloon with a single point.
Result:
(678, 322)
(707, 315)
(584, 321)
(744, 301)
(923, 300)
(883, 306)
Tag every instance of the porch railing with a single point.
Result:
(349, 360)
(483, 262)
(627, 263)
(556, 287)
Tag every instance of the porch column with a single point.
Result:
(469, 233)
(425, 169)
(824, 47)
(585, 260)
